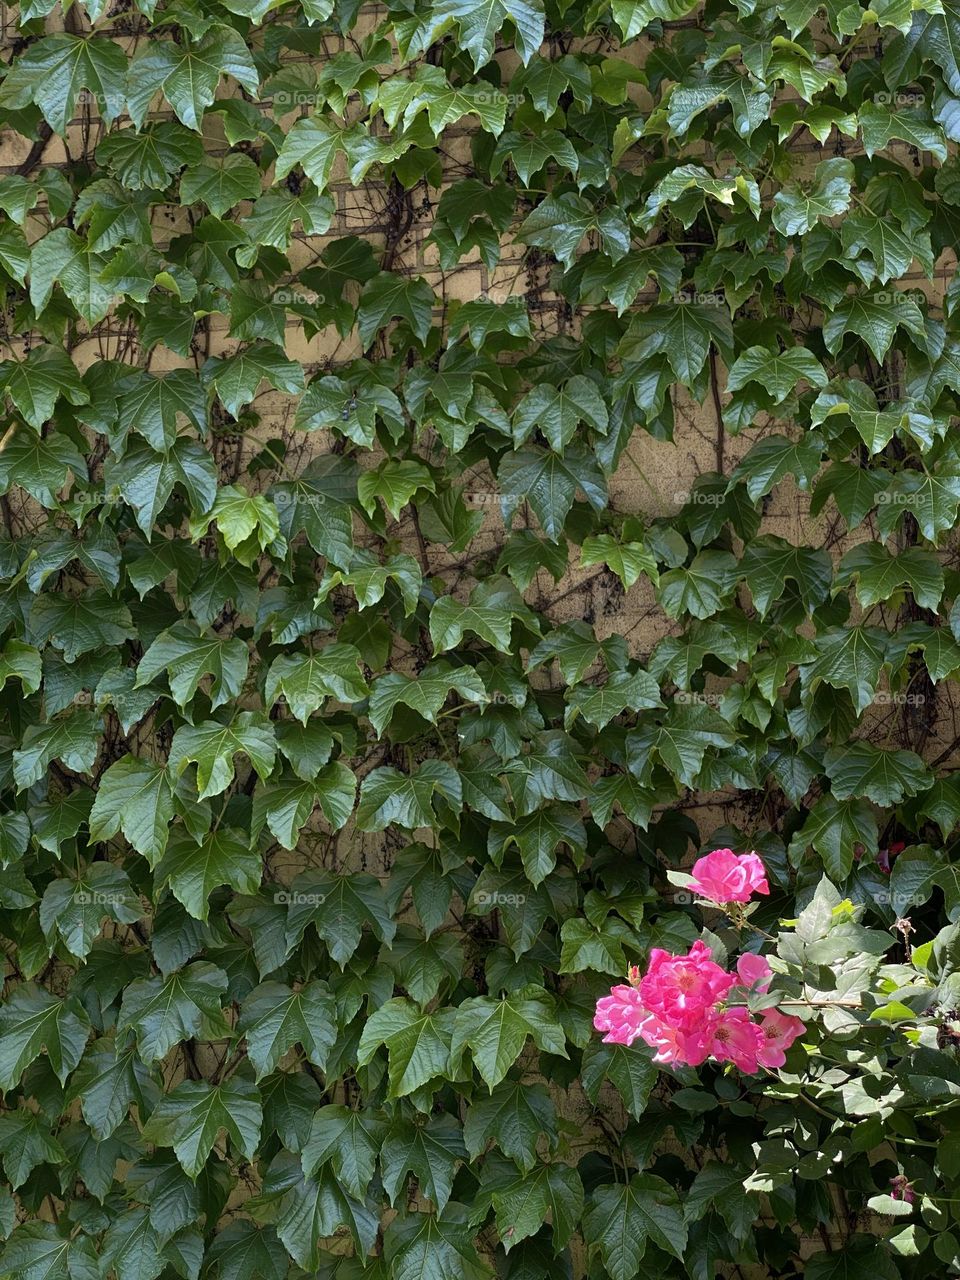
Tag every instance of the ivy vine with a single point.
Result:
(358, 732)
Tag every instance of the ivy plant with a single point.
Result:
(367, 696)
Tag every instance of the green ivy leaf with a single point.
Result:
(39, 1251)
(188, 75)
(212, 747)
(35, 384)
(886, 777)
(163, 1012)
(136, 797)
(879, 574)
(700, 590)
(479, 24)
(835, 828)
(549, 483)
(796, 212)
(425, 695)
(622, 1219)
(430, 1152)
(391, 798)
(489, 615)
(557, 413)
(32, 1021)
(274, 1019)
(305, 681)
(349, 1141)
(56, 68)
(495, 1031)
(418, 1045)
(194, 870)
(848, 658)
(191, 1117)
(188, 657)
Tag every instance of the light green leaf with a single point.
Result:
(188, 74)
(56, 68)
(479, 24)
(558, 412)
(700, 590)
(134, 796)
(425, 694)
(879, 574)
(418, 1045)
(777, 372)
(75, 740)
(795, 212)
(188, 657)
(165, 1011)
(36, 383)
(305, 681)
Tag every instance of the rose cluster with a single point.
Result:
(682, 1005)
(679, 1007)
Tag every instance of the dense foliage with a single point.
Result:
(331, 801)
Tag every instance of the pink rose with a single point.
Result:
(675, 1046)
(663, 1038)
(754, 972)
(778, 1031)
(680, 989)
(737, 1039)
(620, 1014)
(724, 876)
